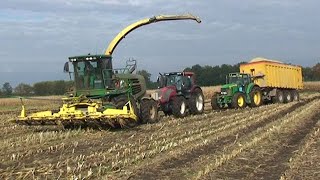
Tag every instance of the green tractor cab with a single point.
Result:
(238, 92)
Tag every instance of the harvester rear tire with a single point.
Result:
(149, 111)
(238, 100)
(287, 96)
(279, 98)
(295, 95)
(214, 102)
(255, 97)
(196, 102)
(179, 106)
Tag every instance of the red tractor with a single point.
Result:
(179, 95)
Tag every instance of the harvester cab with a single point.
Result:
(238, 91)
(179, 93)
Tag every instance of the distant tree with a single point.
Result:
(316, 72)
(7, 89)
(23, 89)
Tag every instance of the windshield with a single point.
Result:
(241, 79)
(179, 81)
(88, 74)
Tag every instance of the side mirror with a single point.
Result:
(66, 67)
(161, 81)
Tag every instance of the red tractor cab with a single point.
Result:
(178, 94)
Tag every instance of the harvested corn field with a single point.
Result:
(274, 141)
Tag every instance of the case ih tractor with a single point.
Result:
(179, 95)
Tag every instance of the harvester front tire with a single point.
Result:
(120, 102)
(149, 111)
(255, 97)
(238, 100)
(214, 102)
(295, 95)
(287, 96)
(179, 106)
(196, 102)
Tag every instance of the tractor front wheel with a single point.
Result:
(214, 102)
(238, 100)
(149, 111)
(196, 102)
(179, 106)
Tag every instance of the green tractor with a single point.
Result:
(238, 92)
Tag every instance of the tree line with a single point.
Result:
(43, 88)
(205, 76)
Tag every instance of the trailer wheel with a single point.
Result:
(287, 96)
(179, 106)
(255, 97)
(149, 111)
(196, 102)
(279, 97)
(295, 95)
(214, 102)
(238, 100)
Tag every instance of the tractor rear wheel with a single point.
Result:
(214, 102)
(287, 96)
(149, 111)
(295, 95)
(279, 98)
(179, 106)
(238, 100)
(196, 102)
(255, 97)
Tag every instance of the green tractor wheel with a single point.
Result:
(214, 103)
(238, 100)
(256, 97)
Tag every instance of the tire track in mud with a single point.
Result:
(177, 163)
(272, 162)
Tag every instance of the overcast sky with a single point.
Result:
(37, 36)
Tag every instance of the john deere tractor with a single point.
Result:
(238, 92)
(103, 95)
(179, 95)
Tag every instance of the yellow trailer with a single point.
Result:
(278, 81)
(274, 74)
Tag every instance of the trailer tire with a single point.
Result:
(214, 102)
(279, 98)
(255, 97)
(295, 95)
(196, 102)
(149, 111)
(179, 106)
(287, 96)
(238, 100)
